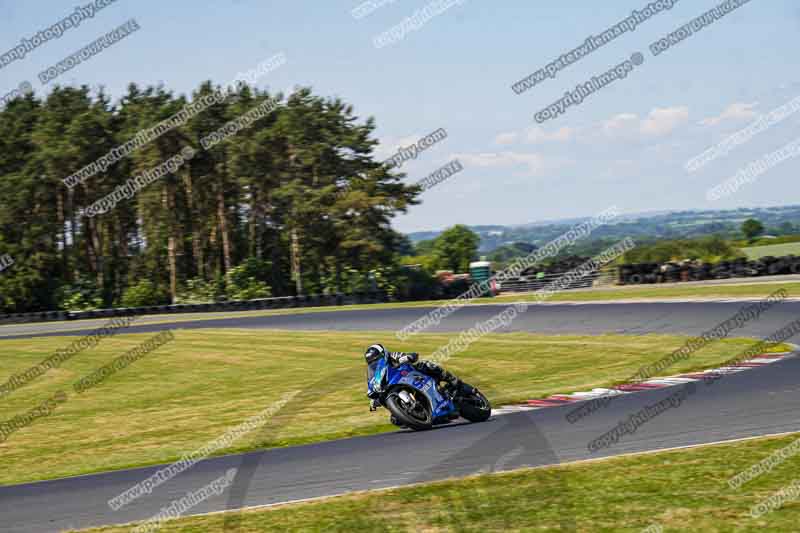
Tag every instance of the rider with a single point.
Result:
(377, 351)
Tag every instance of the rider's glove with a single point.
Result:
(407, 358)
(374, 404)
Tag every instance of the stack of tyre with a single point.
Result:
(671, 272)
(636, 274)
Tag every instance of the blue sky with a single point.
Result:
(625, 145)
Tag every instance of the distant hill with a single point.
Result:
(646, 226)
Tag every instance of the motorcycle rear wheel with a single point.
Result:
(476, 407)
(417, 417)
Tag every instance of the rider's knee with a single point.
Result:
(430, 366)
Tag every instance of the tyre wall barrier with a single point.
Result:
(641, 273)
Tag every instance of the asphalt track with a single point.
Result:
(691, 318)
(761, 401)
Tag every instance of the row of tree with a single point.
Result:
(709, 249)
(452, 250)
(296, 203)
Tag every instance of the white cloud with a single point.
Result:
(737, 111)
(389, 145)
(537, 135)
(660, 121)
(536, 163)
(620, 125)
(663, 120)
(506, 138)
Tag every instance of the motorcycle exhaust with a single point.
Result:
(406, 397)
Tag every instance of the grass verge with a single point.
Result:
(679, 490)
(669, 291)
(190, 391)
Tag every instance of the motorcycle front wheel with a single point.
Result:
(415, 415)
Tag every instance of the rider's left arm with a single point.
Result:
(400, 358)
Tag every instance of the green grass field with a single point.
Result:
(777, 250)
(763, 241)
(193, 389)
(753, 290)
(680, 490)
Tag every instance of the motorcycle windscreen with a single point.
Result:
(372, 368)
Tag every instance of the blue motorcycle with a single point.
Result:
(415, 400)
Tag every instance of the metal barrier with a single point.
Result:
(534, 283)
(282, 302)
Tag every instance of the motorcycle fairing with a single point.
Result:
(441, 406)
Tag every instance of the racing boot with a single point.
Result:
(459, 388)
(454, 385)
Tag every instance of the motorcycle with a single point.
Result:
(416, 402)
